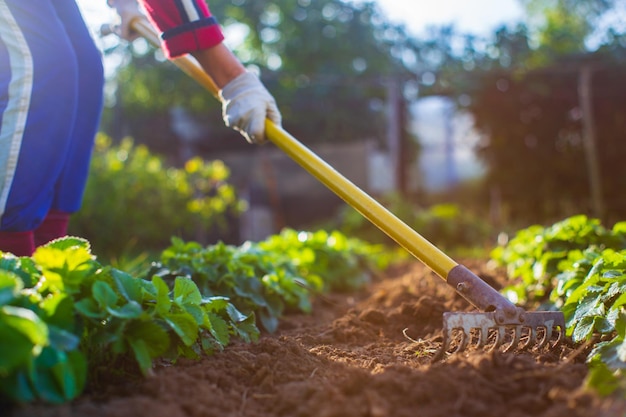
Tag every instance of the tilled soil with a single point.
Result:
(367, 354)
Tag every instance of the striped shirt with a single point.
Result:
(187, 25)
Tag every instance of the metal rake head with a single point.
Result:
(528, 331)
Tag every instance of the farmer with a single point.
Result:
(51, 87)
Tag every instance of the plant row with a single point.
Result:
(63, 314)
(578, 266)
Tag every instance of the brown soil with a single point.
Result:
(364, 354)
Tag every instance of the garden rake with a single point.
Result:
(500, 324)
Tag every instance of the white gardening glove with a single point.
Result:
(128, 11)
(246, 104)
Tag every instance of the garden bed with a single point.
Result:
(359, 354)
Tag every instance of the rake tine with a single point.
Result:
(561, 335)
(484, 336)
(517, 334)
(546, 336)
(497, 340)
(544, 339)
(500, 336)
(447, 341)
(532, 337)
(464, 338)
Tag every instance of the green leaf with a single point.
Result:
(65, 269)
(163, 301)
(583, 330)
(129, 286)
(215, 304)
(619, 302)
(142, 355)
(581, 294)
(63, 340)
(78, 364)
(614, 260)
(69, 242)
(104, 294)
(147, 340)
(251, 289)
(22, 267)
(603, 325)
(186, 292)
(148, 290)
(70, 373)
(184, 325)
(26, 322)
(269, 321)
(620, 325)
(612, 353)
(58, 310)
(89, 308)
(235, 315)
(602, 379)
(130, 310)
(15, 349)
(591, 305)
(155, 337)
(17, 387)
(196, 311)
(10, 286)
(45, 379)
(247, 330)
(218, 328)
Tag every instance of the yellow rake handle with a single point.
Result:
(406, 237)
(382, 218)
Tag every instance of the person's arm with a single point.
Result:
(187, 26)
(220, 63)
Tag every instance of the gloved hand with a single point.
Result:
(246, 104)
(128, 11)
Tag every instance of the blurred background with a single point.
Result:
(467, 120)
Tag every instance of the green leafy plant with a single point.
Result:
(39, 353)
(608, 361)
(62, 312)
(254, 280)
(579, 266)
(537, 254)
(339, 262)
(280, 273)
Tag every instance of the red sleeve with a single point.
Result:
(186, 25)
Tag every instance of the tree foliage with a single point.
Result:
(560, 27)
(528, 109)
(328, 63)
